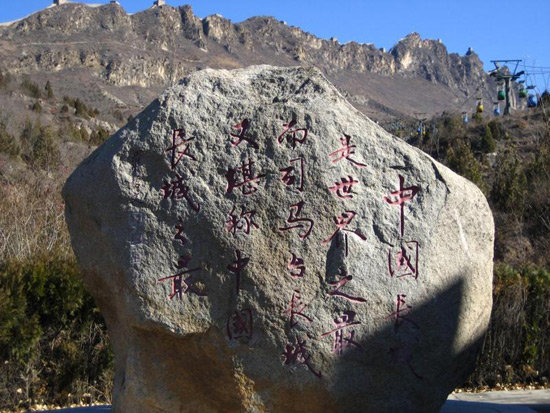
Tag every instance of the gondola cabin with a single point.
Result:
(479, 107)
(522, 93)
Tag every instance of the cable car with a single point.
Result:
(532, 101)
(479, 107)
(522, 93)
(421, 130)
(501, 95)
(496, 108)
(465, 117)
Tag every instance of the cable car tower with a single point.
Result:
(500, 75)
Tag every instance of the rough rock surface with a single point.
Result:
(257, 244)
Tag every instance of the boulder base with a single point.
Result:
(257, 244)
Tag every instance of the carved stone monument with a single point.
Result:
(257, 244)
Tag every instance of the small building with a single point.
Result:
(59, 2)
(159, 3)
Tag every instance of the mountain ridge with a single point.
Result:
(156, 47)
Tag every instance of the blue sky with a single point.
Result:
(503, 29)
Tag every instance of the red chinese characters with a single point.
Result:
(240, 136)
(296, 267)
(401, 196)
(402, 355)
(343, 189)
(179, 234)
(296, 309)
(177, 189)
(236, 267)
(179, 148)
(242, 223)
(342, 223)
(248, 183)
(400, 315)
(239, 324)
(297, 354)
(403, 260)
(304, 225)
(338, 284)
(345, 152)
(343, 335)
(293, 175)
(183, 281)
(180, 284)
(293, 135)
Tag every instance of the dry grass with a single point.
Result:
(32, 218)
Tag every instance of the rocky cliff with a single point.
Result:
(127, 59)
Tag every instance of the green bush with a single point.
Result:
(496, 130)
(477, 117)
(94, 113)
(80, 108)
(68, 100)
(99, 136)
(29, 134)
(8, 143)
(37, 107)
(31, 88)
(45, 152)
(117, 114)
(5, 79)
(451, 125)
(517, 346)
(84, 135)
(461, 160)
(487, 143)
(510, 184)
(40, 145)
(53, 341)
(49, 90)
(538, 192)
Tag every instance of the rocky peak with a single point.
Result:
(218, 28)
(192, 26)
(431, 60)
(73, 18)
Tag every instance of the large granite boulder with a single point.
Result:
(257, 244)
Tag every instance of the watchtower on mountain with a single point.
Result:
(59, 2)
(159, 3)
